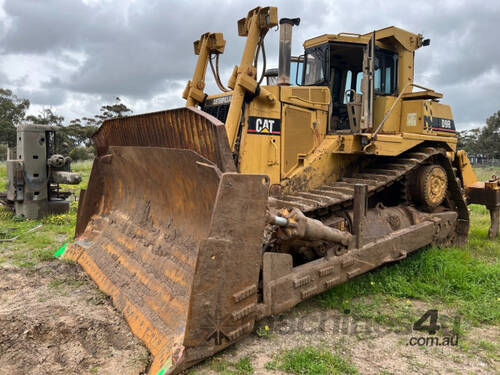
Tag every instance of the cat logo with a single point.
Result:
(262, 125)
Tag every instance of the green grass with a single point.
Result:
(484, 174)
(463, 280)
(466, 280)
(223, 367)
(453, 276)
(3, 176)
(312, 361)
(31, 248)
(83, 168)
(489, 346)
(61, 283)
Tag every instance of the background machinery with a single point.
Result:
(201, 220)
(34, 172)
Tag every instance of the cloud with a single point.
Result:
(130, 48)
(59, 52)
(46, 97)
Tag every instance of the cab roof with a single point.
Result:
(387, 37)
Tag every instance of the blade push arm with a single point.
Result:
(243, 79)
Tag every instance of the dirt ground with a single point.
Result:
(53, 320)
(371, 348)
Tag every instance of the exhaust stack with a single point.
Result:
(286, 25)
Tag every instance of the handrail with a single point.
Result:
(307, 101)
(349, 34)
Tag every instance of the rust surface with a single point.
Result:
(141, 245)
(172, 239)
(480, 193)
(183, 128)
(285, 287)
(488, 194)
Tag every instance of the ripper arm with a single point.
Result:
(486, 193)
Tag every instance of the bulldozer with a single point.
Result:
(202, 220)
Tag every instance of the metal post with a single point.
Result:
(285, 52)
(359, 211)
(495, 222)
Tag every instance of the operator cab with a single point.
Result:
(339, 65)
(361, 71)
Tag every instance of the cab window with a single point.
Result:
(346, 74)
(316, 63)
(385, 77)
(296, 70)
(385, 72)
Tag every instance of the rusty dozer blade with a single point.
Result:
(172, 237)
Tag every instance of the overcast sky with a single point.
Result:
(75, 55)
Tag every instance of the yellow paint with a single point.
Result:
(155, 341)
(320, 167)
(382, 106)
(302, 157)
(244, 77)
(260, 153)
(177, 276)
(304, 154)
(209, 43)
(307, 97)
(297, 136)
(393, 145)
(393, 38)
(412, 116)
(468, 176)
(152, 284)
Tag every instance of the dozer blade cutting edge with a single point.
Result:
(172, 234)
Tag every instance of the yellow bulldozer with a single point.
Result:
(202, 220)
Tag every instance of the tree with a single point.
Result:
(46, 117)
(468, 141)
(81, 130)
(69, 137)
(81, 153)
(489, 138)
(118, 109)
(12, 112)
(484, 141)
(63, 142)
(3, 152)
(81, 133)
